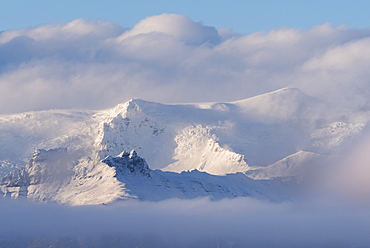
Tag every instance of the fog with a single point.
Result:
(240, 222)
(171, 58)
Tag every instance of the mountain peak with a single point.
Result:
(132, 154)
(280, 105)
(279, 94)
(127, 164)
(131, 106)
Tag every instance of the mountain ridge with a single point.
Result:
(261, 137)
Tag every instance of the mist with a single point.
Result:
(240, 222)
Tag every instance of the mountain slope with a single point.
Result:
(48, 177)
(267, 136)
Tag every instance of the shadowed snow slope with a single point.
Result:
(49, 177)
(267, 136)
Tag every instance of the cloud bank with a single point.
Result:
(170, 58)
(241, 222)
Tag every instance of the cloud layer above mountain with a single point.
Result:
(170, 58)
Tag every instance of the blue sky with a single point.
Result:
(243, 16)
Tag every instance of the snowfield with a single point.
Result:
(258, 147)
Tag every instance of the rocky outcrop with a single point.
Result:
(128, 164)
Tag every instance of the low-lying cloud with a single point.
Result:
(170, 58)
(241, 222)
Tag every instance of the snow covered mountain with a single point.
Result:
(49, 176)
(79, 159)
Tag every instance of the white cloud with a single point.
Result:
(78, 29)
(170, 58)
(177, 26)
(346, 178)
